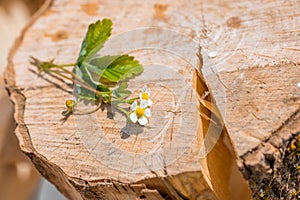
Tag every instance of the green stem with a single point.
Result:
(68, 65)
(122, 110)
(78, 112)
(75, 76)
(69, 72)
(49, 66)
(132, 99)
(60, 74)
(126, 101)
(82, 84)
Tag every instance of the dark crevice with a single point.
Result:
(283, 178)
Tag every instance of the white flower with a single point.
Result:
(145, 95)
(140, 113)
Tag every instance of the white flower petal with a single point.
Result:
(148, 112)
(148, 91)
(133, 106)
(150, 102)
(143, 103)
(133, 117)
(141, 96)
(143, 121)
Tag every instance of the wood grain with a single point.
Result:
(252, 77)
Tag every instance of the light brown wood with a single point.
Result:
(249, 69)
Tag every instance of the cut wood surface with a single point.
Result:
(250, 64)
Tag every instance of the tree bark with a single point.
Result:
(248, 66)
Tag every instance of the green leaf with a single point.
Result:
(98, 72)
(122, 92)
(94, 40)
(115, 68)
(83, 93)
(87, 95)
(94, 72)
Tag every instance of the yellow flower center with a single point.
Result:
(140, 112)
(145, 96)
(69, 104)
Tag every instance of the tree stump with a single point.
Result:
(241, 56)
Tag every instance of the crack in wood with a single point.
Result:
(290, 119)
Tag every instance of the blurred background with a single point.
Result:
(19, 180)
